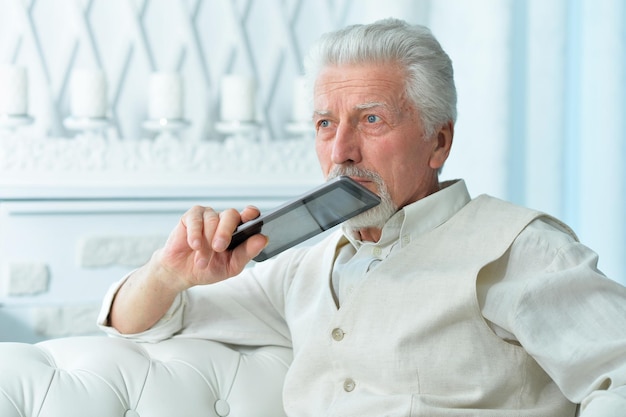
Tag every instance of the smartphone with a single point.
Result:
(308, 215)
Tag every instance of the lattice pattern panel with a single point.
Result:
(202, 40)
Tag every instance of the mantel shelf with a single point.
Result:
(92, 166)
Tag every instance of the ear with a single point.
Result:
(442, 143)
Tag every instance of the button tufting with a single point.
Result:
(222, 408)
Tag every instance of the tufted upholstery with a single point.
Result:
(108, 377)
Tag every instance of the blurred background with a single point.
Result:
(130, 111)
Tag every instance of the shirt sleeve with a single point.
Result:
(604, 403)
(244, 310)
(248, 309)
(548, 293)
(170, 324)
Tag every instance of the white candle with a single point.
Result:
(301, 101)
(88, 94)
(13, 90)
(238, 99)
(165, 98)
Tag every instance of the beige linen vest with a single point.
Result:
(410, 340)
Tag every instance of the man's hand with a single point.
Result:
(196, 250)
(196, 253)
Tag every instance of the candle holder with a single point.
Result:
(89, 126)
(13, 98)
(240, 130)
(88, 103)
(13, 122)
(238, 109)
(165, 128)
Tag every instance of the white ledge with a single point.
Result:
(164, 161)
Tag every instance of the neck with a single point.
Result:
(370, 234)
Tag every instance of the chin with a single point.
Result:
(375, 217)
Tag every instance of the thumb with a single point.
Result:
(250, 248)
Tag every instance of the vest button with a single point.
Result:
(338, 334)
(349, 385)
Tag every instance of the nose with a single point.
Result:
(346, 145)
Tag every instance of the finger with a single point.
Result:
(249, 213)
(243, 253)
(210, 220)
(228, 222)
(200, 223)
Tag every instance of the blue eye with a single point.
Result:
(371, 118)
(324, 123)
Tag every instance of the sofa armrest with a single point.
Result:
(109, 377)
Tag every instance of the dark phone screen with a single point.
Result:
(308, 216)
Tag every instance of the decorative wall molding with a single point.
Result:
(105, 251)
(23, 159)
(24, 279)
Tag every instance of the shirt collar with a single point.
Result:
(422, 216)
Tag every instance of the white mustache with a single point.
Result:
(374, 217)
(353, 171)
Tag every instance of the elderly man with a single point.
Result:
(430, 304)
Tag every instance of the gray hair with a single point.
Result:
(429, 79)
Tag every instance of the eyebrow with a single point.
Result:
(369, 105)
(362, 106)
(321, 112)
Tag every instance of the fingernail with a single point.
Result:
(220, 244)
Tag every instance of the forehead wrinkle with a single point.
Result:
(362, 106)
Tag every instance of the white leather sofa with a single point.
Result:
(108, 377)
